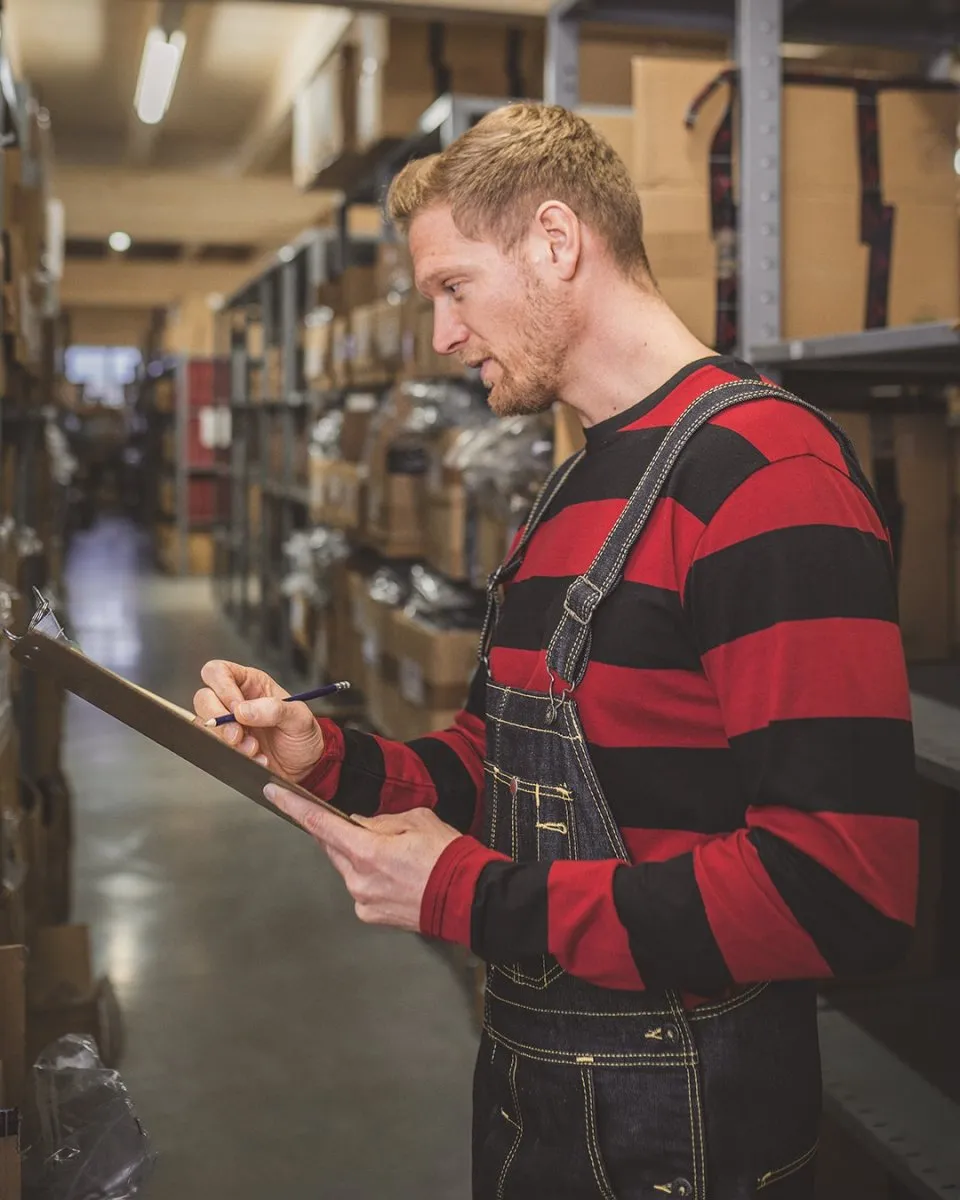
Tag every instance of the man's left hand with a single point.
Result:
(385, 862)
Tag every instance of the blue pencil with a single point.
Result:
(314, 694)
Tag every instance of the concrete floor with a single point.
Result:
(274, 1046)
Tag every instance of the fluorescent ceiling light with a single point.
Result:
(158, 74)
(119, 241)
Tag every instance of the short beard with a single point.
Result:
(535, 386)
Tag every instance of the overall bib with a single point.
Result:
(584, 1091)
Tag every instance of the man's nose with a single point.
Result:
(449, 332)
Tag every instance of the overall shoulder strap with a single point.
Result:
(568, 651)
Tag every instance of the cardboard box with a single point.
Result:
(395, 515)
(363, 359)
(358, 412)
(353, 288)
(64, 997)
(343, 495)
(824, 265)
(405, 722)
(324, 113)
(340, 352)
(396, 84)
(434, 665)
(445, 546)
(388, 334)
(568, 435)
(200, 553)
(907, 459)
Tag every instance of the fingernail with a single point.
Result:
(241, 712)
(261, 759)
(271, 791)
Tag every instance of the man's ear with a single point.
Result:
(557, 229)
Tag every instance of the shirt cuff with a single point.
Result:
(447, 904)
(323, 778)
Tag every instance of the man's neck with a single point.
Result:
(632, 343)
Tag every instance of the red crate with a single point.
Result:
(201, 499)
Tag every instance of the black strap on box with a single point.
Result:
(516, 84)
(876, 218)
(437, 43)
(723, 210)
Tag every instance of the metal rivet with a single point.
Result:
(766, 94)
(766, 297)
(767, 264)
(766, 27)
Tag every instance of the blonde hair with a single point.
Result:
(499, 172)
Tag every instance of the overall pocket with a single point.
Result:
(531, 821)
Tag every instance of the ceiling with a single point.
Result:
(207, 191)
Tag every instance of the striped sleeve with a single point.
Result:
(368, 775)
(791, 597)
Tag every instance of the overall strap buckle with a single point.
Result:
(582, 599)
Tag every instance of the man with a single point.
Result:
(681, 788)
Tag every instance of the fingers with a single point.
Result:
(207, 705)
(272, 713)
(336, 834)
(224, 679)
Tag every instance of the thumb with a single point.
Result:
(267, 712)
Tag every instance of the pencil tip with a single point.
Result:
(210, 723)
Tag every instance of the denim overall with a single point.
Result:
(584, 1091)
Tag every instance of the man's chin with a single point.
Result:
(505, 402)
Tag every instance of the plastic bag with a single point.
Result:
(88, 1144)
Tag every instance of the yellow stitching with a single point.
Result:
(506, 1116)
(601, 1058)
(518, 1138)
(706, 1011)
(562, 1012)
(551, 827)
(666, 1188)
(522, 979)
(593, 1143)
(791, 1168)
(692, 1071)
(532, 728)
(584, 1058)
(559, 791)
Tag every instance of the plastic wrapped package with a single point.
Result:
(86, 1142)
(325, 435)
(434, 598)
(311, 555)
(63, 464)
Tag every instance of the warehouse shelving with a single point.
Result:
(904, 1122)
(248, 569)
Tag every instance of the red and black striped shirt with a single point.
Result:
(746, 707)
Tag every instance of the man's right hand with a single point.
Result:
(285, 738)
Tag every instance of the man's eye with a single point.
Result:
(454, 290)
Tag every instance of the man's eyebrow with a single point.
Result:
(424, 284)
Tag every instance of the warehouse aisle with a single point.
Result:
(275, 1047)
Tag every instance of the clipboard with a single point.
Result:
(162, 722)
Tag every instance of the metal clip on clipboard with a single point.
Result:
(46, 649)
(44, 620)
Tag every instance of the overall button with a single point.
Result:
(671, 1034)
(682, 1187)
(513, 786)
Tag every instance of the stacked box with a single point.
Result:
(824, 274)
